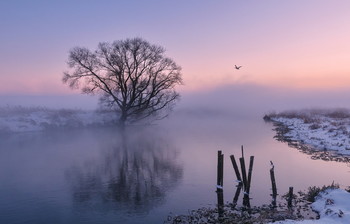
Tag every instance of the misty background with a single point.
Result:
(238, 98)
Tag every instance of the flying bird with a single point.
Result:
(237, 67)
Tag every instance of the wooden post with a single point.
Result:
(220, 183)
(238, 191)
(244, 173)
(245, 183)
(250, 171)
(220, 197)
(246, 198)
(235, 167)
(273, 183)
(220, 172)
(290, 197)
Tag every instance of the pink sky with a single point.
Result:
(298, 44)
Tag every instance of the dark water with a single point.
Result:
(103, 176)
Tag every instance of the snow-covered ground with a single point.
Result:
(23, 119)
(320, 129)
(333, 206)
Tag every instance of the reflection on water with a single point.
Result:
(86, 176)
(133, 174)
(101, 176)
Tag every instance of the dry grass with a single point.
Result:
(311, 115)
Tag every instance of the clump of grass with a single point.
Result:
(286, 196)
(313, 192)
(311, 115)
(339, 113)
(315, 126)
(305, 115)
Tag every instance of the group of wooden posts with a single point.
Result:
(244, 181)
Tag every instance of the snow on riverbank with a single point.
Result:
(321, 129)
(333, 206)
(23, 119)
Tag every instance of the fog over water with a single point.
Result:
(252, 99)
(100, 175)
(231, 97)
(77, 101)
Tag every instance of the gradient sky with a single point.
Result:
(290, 43)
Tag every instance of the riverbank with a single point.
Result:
(333, 207)
(324, 134)
(327, 204)
(15, 119)
(227, 214)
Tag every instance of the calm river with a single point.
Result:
(103, 176)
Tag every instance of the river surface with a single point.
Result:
(101, 175)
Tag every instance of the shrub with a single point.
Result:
(313, 192)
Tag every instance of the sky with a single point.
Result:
(296, 44)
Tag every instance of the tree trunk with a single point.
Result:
(122, 119)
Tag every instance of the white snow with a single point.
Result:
(333, 205)
(23, 119)
(321, 131)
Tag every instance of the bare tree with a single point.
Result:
(132, 76)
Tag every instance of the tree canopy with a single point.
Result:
(132, 77)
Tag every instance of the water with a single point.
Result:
(103, 176)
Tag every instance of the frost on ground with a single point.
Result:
(333, 207)
(320, 130)
(22, 119)
(330, 205)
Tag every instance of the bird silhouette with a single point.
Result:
(237, 67)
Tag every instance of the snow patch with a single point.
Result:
(321, 131)
(333, 207)
(22, 119)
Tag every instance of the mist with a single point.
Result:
(233, 100)
(96, 175)
(73, 101)
(257, 100)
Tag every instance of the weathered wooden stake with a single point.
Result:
(245, 182)
(220, 196)
(238, 191)
(235, 167)
(244, 173)
(220, 172)
(273, 183)
(250, 171)
(246, 199)
(290, 197)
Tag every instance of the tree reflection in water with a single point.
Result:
(134, 174)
